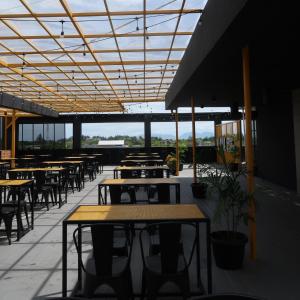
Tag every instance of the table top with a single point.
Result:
(139, 157)
(3, 163)
(60, 162)
(56, 169)
(14, 182)
(121, 168)
(136, 213)
(142, 160)
(80, 157)
(139, 181)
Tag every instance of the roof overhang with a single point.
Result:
(12, 102)
(215, 20)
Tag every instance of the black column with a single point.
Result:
(147, 128)
(76, 134)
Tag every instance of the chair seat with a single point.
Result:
(153, 263)
(118, 265)
(7, 210)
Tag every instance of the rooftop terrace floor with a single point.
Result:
(31, 268)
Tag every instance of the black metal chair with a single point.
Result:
(103, 267)
(116, 192)
(7, 214)
(170, 265)
(41, 187)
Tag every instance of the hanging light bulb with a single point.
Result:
(57, 87)
(84, 54)
(173, 72)
(161, 70)
(73, 77)
(119, 73)
(39, 95)
(23, 65)
(137, 24)
(146, 33)
(62, 33)
(135, 79)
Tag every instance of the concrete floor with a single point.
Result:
(31, 268)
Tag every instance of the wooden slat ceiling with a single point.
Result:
(93, 56)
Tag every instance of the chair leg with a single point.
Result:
(8, 225)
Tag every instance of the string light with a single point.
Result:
(62, 34)
(137, 24)
(146, 33)
(161, 70)
(39, 95)
(73, 77)
(119, 73)
(84, 54)
(173, 72)
(23, 65)
(135, 79)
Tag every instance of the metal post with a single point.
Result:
(194, 140)
(13, 137)
(249, 150)
(177, 144)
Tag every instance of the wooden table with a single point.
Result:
(67, 163)
(105, 183)
(144, 153)
(131, 214)
(142, 157)
(119, 169)
(16, 184)
(142, 161)
(47, 169)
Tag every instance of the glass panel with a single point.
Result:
(163, 134)
(112, 135)
(69, 135)
(59, 136)
(38, 134)
(48, 136)
(27, 136)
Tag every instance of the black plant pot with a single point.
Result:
(229, 249)
(199, 190)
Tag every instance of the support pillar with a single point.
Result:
(147, 131)
(13, 137)
(194, 140)
(177, 144)
(76, 135)
(249, 150)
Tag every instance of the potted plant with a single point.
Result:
(231, 209)
(182, 151)
(199, 186)
(171, 162)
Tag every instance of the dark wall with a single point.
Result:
(113, 156)
(275, 152)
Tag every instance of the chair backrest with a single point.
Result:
(40, 179)
(156, 173)
(170, 244)
(115, 192)
(103, 241)
(163, 193)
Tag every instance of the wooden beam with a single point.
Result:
(59, 52)
(92, 36)
(93, 63)
(98, 14)
(13, 137)
(249, 150)
(194, 140)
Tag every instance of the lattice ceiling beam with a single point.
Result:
(99, 14)
(93, 36)
(6, 53)
(93, 63)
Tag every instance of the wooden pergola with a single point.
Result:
(93, 60)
